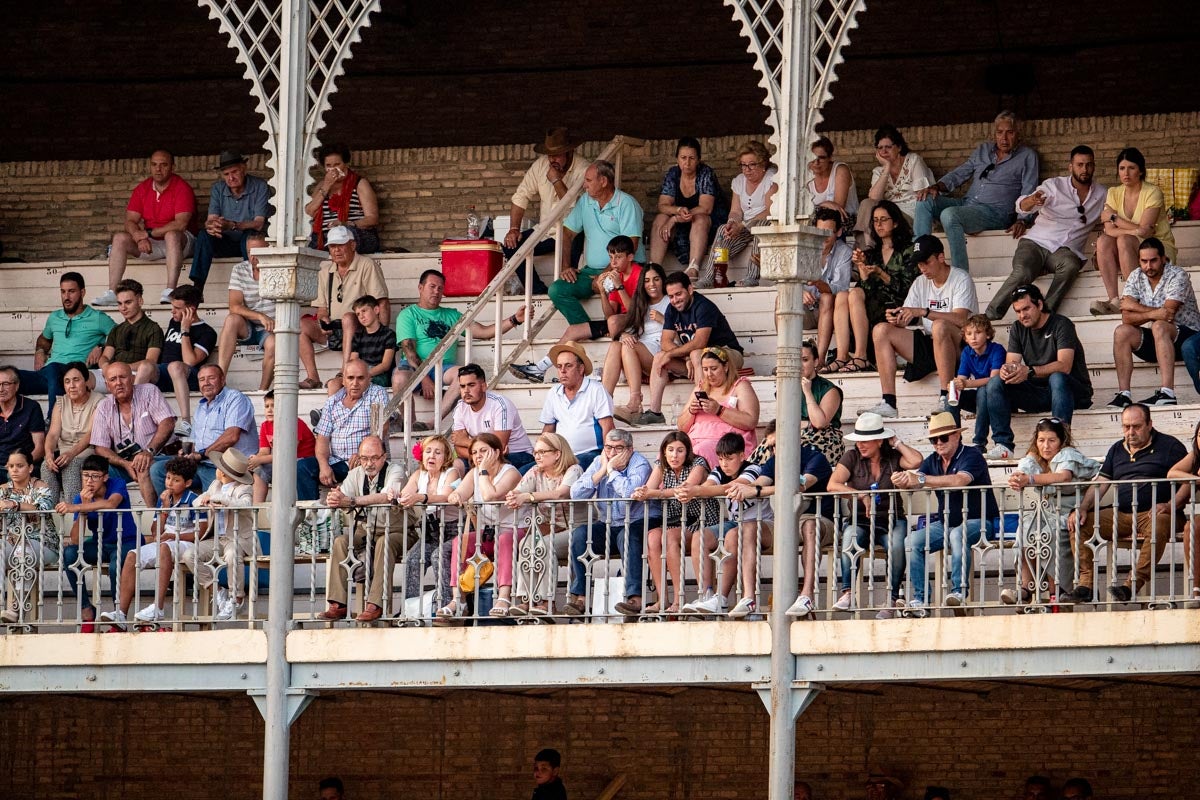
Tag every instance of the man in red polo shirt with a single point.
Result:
(160, 222)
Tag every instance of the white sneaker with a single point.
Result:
(845, 602)
(883, 409)
(693, 607)
(744, 608)
(109, 298)
(165, 298)
(802, 607)
(956, 601)
(713, 605)
(116, 617)
(150, 613)
(999, 453)
(916, 609)
(183, 428)
(227, 611)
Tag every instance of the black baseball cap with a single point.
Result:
(924, 248)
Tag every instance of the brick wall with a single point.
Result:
(1133, 742)
(69, 209)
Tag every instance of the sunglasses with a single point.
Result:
(1054, 420)
(1022, 291)
(67, 330)
(945, 437)
(1079, 210)
(340, 286)
(983, 176)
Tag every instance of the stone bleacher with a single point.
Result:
(28, 299)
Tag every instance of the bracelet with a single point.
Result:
(532, 499)
(427, 498)
(513, 319)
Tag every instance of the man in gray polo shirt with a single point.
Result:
(237, 207)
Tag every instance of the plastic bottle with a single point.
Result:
(472, 223)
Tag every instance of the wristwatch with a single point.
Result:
(758, 491)
(1032, 373)
(920, 478)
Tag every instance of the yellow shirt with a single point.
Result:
(1150, 197)
(534, 185)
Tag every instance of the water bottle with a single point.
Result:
(472, 223)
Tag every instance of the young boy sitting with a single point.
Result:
(234, 531)
(545, 775)
(980, 362)
(373, 342)
(260, 462)
(172, 538)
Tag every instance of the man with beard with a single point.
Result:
(76, 333)
(1068, 208)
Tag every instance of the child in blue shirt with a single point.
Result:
(980, 362)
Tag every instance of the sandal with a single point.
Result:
(832, 367)
(311, 383)
(501, 607)
(518, 609)
(857, 364)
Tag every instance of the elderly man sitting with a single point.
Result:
(377, 524)
(345, 422)
(616, 524)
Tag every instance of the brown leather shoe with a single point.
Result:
(333, 613)
(369, 614)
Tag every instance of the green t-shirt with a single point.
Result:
(427, 326)
(88, 330)
(130, 342)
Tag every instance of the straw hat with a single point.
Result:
(943, 423)
(869, 427)
(575, 348)
(234, 464)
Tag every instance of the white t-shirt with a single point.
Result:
(831, 187)
(652, 333)
(578, 420)
(498, 414)
(753, 205)
(957, 292)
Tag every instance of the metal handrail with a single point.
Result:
(550, 219)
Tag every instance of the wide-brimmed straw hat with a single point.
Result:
(575, 348)
(943, 423)
(557, 141)
(869, 427)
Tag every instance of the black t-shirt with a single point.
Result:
(16, 432)
(554, 790)
(701, 313)
(1041, 346)
(202, 336)
(1152, 461)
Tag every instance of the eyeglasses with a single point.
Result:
(371, 459)
(615, 447)
(537, 452)
(749, 165)
(945, 437)
(986, 171)
(6, 384)
(93, 476)
(716, 352)
(1082, 216)
(881, 220)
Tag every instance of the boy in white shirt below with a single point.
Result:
(172, 539)
(233, 530)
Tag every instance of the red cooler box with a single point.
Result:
(469, 265)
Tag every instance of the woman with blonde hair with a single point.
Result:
(555, 469)
(426, 492)
(753, 189)
(724, 402)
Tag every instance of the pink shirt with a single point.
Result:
(708, 428)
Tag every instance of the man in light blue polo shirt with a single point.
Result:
(224, 419)
(238, 205)
(75, 333)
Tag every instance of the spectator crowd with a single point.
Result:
(490, 498)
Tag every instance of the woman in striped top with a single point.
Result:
(343, 197)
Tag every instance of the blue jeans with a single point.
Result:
(585, 459)
(522, 461)
(962, 539)
(1060, 394)
(958, 218)
(112, 552)
(206, 473)
(231, 243)
(1191, 359)
(600, 536)
(308, 477)
(47, 381)
(894, 542)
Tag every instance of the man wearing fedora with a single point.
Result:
(578, 408)
(951, 466)
(232, 522)
(160, 224)
(238, 205)
(224, 420)
(545, 181)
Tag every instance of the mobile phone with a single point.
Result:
(701, 395)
